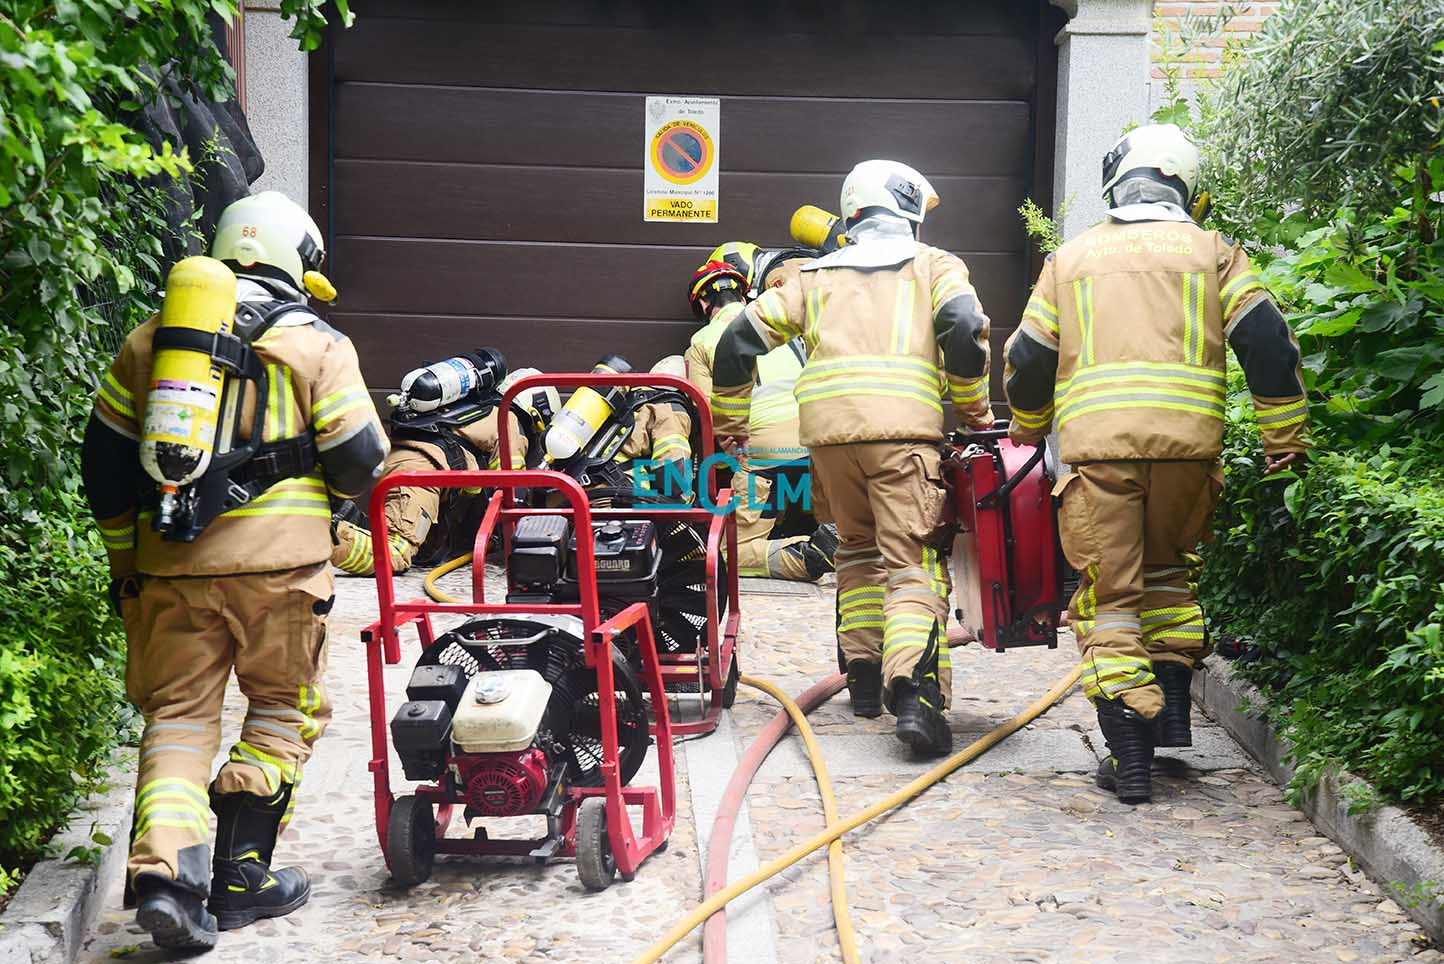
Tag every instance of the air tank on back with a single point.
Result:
(449, 380)
(812, 227)
(186, 384)
(585, 412)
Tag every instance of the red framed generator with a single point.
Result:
(1008, 568)
(525, 708)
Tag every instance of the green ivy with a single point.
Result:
(1367, 300)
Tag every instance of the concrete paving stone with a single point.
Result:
(1017, 858)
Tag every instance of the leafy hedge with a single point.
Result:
(1337, 577)
(62, 702)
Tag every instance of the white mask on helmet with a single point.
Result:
(1158, 152)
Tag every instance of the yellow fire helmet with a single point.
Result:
(741, 255)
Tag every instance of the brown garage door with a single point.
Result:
(478, 165)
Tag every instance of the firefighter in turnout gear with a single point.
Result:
(1123, 346)
(893, 331)
(657, 454)
(250, 592)
(718, 295)
(425, 522)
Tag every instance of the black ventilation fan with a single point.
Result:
(682, 614)
(573, 714)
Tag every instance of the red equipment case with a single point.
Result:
(1007, 564)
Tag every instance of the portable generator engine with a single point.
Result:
(502, 713)
(543, 564)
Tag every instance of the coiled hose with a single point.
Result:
(831, 836)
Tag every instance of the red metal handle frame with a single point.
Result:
(507, 481)
(603, 380)
(626, 849)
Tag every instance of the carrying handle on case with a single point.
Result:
(1006, 489)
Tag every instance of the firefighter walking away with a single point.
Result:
(248, 413)
(1122, 345)
(893, 329)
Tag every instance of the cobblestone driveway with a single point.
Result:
(1017, 858)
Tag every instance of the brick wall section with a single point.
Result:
(1203, 60)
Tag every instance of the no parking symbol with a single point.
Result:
(680, 182)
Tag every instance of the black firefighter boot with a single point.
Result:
(818, 552)
(864, 686)
(244, 888)
(917, 702)
(1172, 726)
(174, 911)
(1128, 770)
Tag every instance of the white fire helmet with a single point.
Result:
(671, 365)
(539, 403)
(1160, 152)
(889, 185)
(269, 236)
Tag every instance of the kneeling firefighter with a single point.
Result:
(1123, 344)
(245, 410)
(456, 430)
(883, 319)
(717, 293)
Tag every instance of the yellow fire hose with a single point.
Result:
(445, 569)
(774, 867)
(831, 836)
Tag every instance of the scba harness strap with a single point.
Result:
(237, 477)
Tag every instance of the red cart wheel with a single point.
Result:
(596, 866)
(411, 840)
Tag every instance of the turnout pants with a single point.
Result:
(1130, 529)
(887, 499)
(758, 554)
(410, 514)
(183, 638)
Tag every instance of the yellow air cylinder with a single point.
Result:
(186, 385)
(812, 227)
(585, 412)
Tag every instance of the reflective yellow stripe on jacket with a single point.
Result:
(894, 376)
(302, 495)
(772, 399)
(1141, 385)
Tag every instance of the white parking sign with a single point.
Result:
(681, 159)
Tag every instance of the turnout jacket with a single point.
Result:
(315, 385)
(893, 329)
(773, 413)
(480, 438)
(662, 433)
(1122, 344)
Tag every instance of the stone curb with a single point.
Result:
(51, 913)
(1386, 841)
